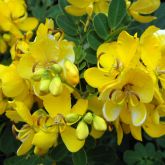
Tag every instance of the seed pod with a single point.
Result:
(55, 86)
(72, 118)
(88, 118)
(99, 123)
(82, 130)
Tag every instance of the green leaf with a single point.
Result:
(93, 40)
(29, 159)
(8, 143)
(80, 54)
(67, 25)
(101, 26)
(53, 11)
(59, 152)
(161, 141)
(91, 56)
(62, 5)
(117, 13)
(79, 158)
(130, 157)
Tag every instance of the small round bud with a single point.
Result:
(38, 74)
(55, 86)
(88, 118)
(56, 68)
(72, 118)
(99, 123)
(82, 130)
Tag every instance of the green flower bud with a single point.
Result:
(56, 87)
(72, 118)
(44, 84)
(38, 74)
(88, 118)
(99, 123)
(56, 68)
(82, 130)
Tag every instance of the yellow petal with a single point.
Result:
(24, 112)
(127, 47)
(25, 66)
(58, 105)
(96, 78)
(96, 134)
(111, 111)
(80, 3)
(150, 55)
(138, 114)
(13, 116)
(142, 83)
(28, 24)
(72, 10)
(70, 139)
(154, 130)
(12, 84)
(26, 145)
(44, 140)
(145, 6)
(106, 54)
(136, 132)
(95, 105)
(142, 19)
(119, 131)
(80, 107)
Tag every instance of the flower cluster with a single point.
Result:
(129, 77)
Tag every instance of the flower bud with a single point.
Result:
(71, 73)
(38, 74)
(55, 86)
(56, 68)
(82, 130)
(45, 82)
(99, 123)
(72, 118)
(7, 37)
(88, 118)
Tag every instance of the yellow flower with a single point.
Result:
(140, 10)
(14, 18)
(126, 99)
(44, 62)
(81, 7)
(153, 56)
(112, 59)
(13, 86)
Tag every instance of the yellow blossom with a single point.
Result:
(140, 10)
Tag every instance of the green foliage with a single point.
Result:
(144, 155)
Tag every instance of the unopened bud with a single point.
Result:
(72, 118)
(56, 68)
(82, 130)
(99, 123)
(55, 86)
(88, 118)
(71, 73)
(45, 82)
(38, 74)
(7, 37)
